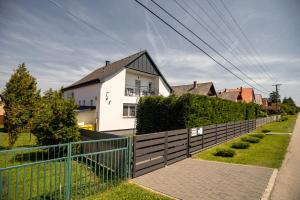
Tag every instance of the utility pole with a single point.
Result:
(277, 94)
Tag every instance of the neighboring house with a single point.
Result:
(247, 94)
(265, 102)
(258, 99)
(231, 96)
(206, 89)
(109, 95)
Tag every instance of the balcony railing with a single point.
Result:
(140, 91)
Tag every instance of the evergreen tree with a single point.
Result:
(274, 97)
(55, 121)
(289, 101)
(20, 97)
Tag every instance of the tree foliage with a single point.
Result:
(157, 113)
(274, 97)
(288, 106)
(20, 97)
(55, 121)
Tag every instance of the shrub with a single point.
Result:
(265, 131)
(55, 122)
(157, 113)
(250, 139)
(284, 118)
(225, 152)
(258, 135)
(240, 145)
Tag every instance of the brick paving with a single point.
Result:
(287, 184)
(206, 180)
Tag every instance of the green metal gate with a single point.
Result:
(65, 171)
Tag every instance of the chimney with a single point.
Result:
(107, 62)
(195, 84)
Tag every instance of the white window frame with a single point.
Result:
(129, 107)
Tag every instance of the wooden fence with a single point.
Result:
(156, 150)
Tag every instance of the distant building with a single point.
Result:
(258, 99)
(239, 94)
(265, 102)
(234, 96)
(206, 89)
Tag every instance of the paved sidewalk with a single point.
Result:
(287, 184)
(206, 180)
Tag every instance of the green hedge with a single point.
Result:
(157, 113)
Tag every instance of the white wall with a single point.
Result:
(163, 88)
(111, 104)
(84, 93)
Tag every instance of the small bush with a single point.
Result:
(240, 145)
(250, 139)
(265, 131)
(258, 135)
(224, 152)
(284, 118)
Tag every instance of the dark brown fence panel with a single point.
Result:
(156, 150)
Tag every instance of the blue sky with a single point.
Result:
(59, 49)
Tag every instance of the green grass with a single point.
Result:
(269, 152)
(280, 127)
(53, 175)
(128, 191)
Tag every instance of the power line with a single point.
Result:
(203, 40)
(243, 33)
(68, 12)
(195, 45)
(228, 26)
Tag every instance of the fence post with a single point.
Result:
(166, 149)
(1, 186)
(69, 176)
(188, 142)
(129, 155)
(134, 153)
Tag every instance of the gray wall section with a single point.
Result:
(143, 64)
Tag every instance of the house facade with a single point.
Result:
(108, 96)
(206, 89)
(258, 99)
(239, 94)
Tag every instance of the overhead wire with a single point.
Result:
(195, 45)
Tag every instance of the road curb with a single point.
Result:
(267, 193)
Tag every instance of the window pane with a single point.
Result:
(125, 110)
(132, 111)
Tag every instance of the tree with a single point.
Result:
(20, 97)
(55, 121)
(274, 97)
(289, 101)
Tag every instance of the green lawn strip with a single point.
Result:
(280, 127)
(269, 152)
(128, 191)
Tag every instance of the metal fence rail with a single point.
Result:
(73, 170)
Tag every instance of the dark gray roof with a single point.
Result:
(101, 73)
(206, 89)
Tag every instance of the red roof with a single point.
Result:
(247, 94)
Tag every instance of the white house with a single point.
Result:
(108, 96)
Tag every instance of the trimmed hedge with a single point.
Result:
(240, 145)
(224, 152)
(258, 135)
(250, 139)
(157, 113)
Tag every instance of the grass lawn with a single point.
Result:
(128, 191)
(269, 152)
(52, 174)
(281, 127)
